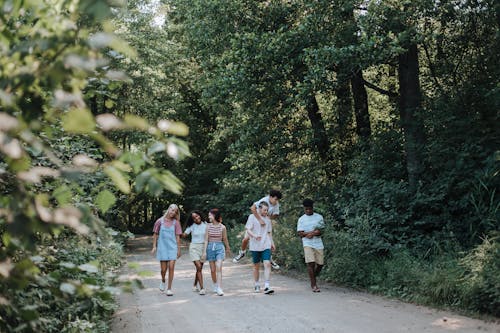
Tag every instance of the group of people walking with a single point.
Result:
(209, 242)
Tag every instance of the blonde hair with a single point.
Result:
(177, 215)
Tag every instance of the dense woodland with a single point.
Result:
(386, 113)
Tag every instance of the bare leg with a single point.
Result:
(256, 273)
(219, 272)
(267, 270)
(244, 243)
(171, 266)
(195, 283)
(199, 274)
(163, 270)
(213, 271)
(310, 271)
(317, 270)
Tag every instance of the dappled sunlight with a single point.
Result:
(451, 324)
(293, 307)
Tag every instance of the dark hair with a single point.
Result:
(308, 203)
(190, 221)
(275, 193)
(216, 213)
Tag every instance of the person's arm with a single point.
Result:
(205, 244)
(155, 239)
(318, 229)
(300, 230)
(178, 238)
(249, 227)
(156, 231)
(302, 233)
(253, 209)
(311, 234)
(270, 232)
(224, 239)
(186, 232)
(274, 216)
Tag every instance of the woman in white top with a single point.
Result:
(196, 226)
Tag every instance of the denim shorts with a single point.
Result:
(259, 256)
(216, 251)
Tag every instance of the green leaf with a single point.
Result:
(88, 267)
(170, 182)
(105, 200)
(63, 195)
(109, 103)
(173, 127)
(155, 187)
(79, 121)
(141, 180)
(67, 288)
(118, 178)
(156, 147)
(136, 121)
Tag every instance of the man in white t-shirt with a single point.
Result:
(272, 201)
(261, 244)
(309, 228)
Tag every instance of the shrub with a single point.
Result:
(481, 279)
(73, 290)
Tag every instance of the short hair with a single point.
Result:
(308, 203)
(275, 193)
(263, 203)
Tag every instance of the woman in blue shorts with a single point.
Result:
(216, 245)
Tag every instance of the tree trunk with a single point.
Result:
(344, 108)
(410, 100)
(360, 97)
(319, 132)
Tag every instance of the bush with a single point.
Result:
(73, 290)
(289, 252)
(481, 279)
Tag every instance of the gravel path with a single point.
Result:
(293, 307)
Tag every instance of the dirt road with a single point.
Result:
(293, 307)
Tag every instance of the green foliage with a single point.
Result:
(61, 162)
(289, 253)
(257, 63)
(481, 281)
(72, 291)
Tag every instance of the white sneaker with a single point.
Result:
(256, 289)
(274, 265)
(215, 289)
(195, 289)
(202, 292)
(169, 292)
(162, 286)
(220, 292)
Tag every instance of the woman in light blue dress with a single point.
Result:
(166, 241)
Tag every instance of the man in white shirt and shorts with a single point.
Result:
(309, 228)
(261, 244)
(272, 201)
